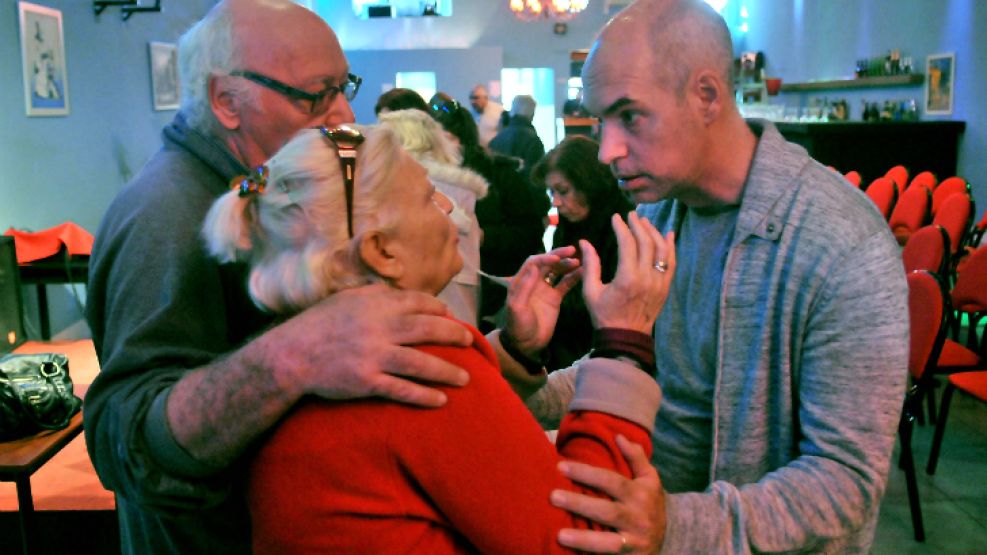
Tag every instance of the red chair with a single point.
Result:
(853, 177)
(926, 309)
(925, 179)
(968, 297)
(971, 383)
(972, 242)
(884, 194)
(898, 174)
(955, 216)
(949, 187)
(910, 213)
(926, 250)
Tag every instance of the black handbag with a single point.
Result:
(35, 394)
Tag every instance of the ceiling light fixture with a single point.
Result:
(559, 10)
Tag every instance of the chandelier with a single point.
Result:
(559, 10)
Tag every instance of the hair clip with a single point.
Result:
(252, 184)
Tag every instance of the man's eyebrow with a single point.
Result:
(617, 106)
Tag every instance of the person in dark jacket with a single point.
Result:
(511, 216)
(519, 138)
(586, 196)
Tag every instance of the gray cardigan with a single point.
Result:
(811, 369)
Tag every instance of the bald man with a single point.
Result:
(192, 373)
(486, 112)
(782, 349)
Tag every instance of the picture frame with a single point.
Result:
(940, 78)
(45, 72)
(163, 63)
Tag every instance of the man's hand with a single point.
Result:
(356, 344)
(535, 295)
(637, 511)
(352, 344)
(638, 291)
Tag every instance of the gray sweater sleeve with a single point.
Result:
(849, 386)
(597, 384)
(550, 403)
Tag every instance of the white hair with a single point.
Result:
(293, 235)
(210, 47)
(422, 136)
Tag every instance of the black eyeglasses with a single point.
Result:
(320, 100)
(346, 139)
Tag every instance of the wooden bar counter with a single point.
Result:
(873, 148)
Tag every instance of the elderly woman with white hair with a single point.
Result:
(435, 149)
(334, 209)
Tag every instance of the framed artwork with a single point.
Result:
(46, 84)
(940, 77)
(164, 75)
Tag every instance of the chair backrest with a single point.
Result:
(884, 194)
(954, 215)
(977, 233)
(898, 174)
(949, 187)
(853, 177)
(926, 250)
(910, 212)
(969, 294)
(926, 312)
(11, 303)
(925, 179)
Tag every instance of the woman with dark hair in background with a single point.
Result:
(399, 99)
(586, 196)
(511, 215)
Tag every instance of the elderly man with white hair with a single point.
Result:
(519, 139)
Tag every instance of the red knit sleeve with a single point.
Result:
(488, 466)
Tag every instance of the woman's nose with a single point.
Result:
(444, 203)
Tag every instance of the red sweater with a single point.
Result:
(373, 476)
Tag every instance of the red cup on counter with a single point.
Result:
(773, 84)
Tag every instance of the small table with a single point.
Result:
(57, 269)
(19, 459)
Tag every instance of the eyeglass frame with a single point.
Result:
(298, 94)
(346, 139)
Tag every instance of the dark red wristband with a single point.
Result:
(616, 342)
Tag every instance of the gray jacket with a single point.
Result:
(811, 370)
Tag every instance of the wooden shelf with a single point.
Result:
(579, 122)
(902, 80)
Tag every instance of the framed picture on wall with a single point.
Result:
(164, 75)
(46, 84)
(940, 76)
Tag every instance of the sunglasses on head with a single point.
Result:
(444, 107)
(346, 139)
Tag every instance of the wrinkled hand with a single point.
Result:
(356, 344)
(638, 291)
(535, 294)
(637, 511)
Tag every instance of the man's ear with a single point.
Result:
(225, 105)
(374, 248)
(709, 90)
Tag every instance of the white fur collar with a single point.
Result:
(456, 176)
